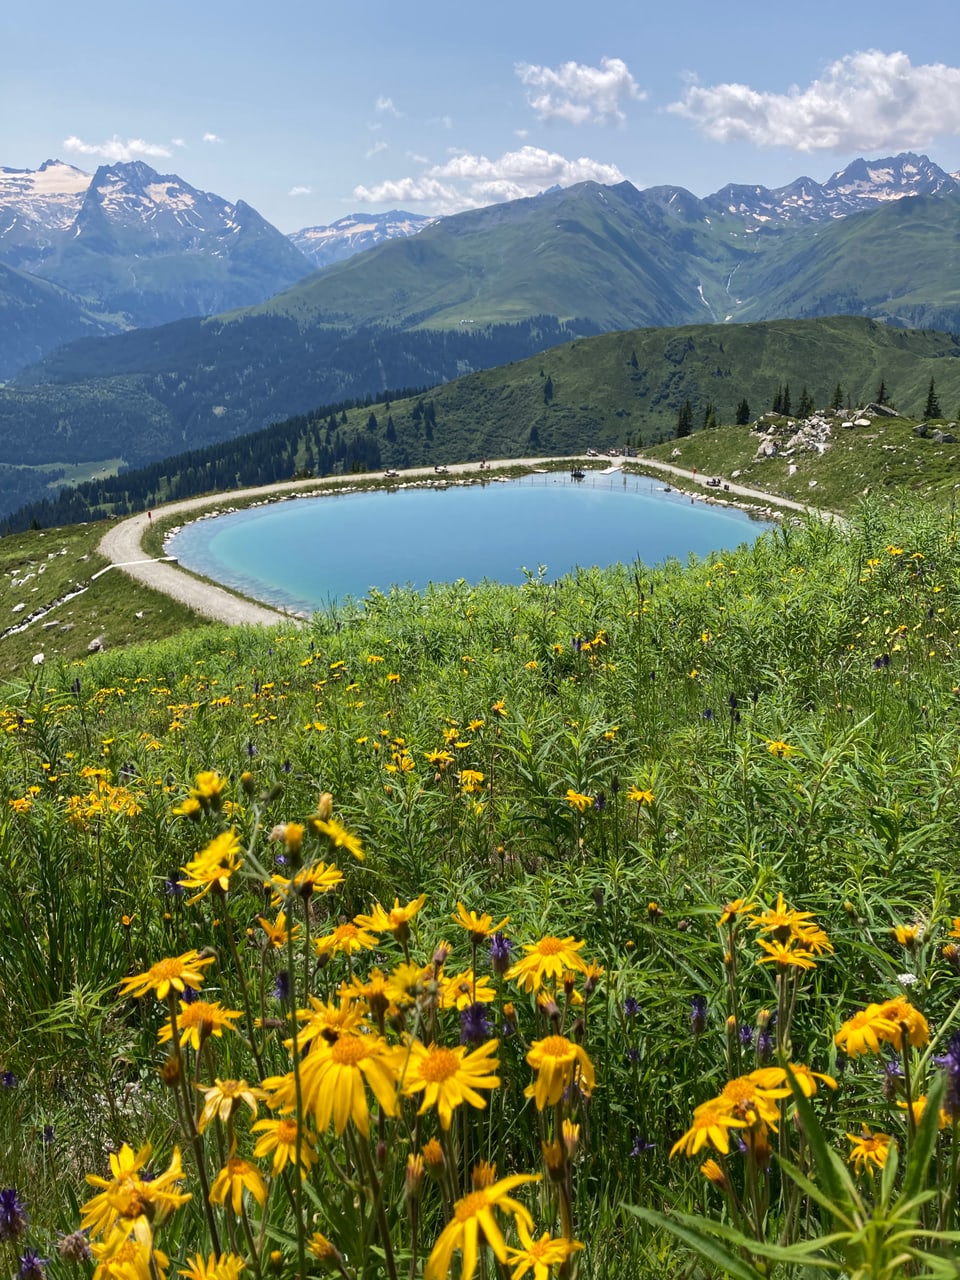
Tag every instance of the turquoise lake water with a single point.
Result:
(309, 553)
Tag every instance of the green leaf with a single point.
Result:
(925, 1139)
(830, 1172)
(691, 1231)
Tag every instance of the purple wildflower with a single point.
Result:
(698, 1015)
(281, 988)
(501, 952)
(631, 1006)
(950, 1062)
(8, 1080)
(31, 1266)
(13, 1216)
(641, 1145)
(475, 1025)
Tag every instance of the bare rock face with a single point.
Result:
(880, 411)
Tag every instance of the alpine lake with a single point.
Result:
(310, 553)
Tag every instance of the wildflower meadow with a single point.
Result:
(599, 927)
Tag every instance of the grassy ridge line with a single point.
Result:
(598, 392)
(601, 391)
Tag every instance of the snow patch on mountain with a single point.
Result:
(355, 233)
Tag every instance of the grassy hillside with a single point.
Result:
(705, 820)
(900, 264)
(598, 392)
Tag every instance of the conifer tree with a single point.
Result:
(742, 416)
(837, 400)
(932, 407)
(685, 420)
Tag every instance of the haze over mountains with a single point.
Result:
(470, 291)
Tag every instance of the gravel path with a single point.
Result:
(121, 545)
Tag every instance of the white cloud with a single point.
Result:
(445, 122)
(115, 149)
(299, 191)
(178, 142)
(467, 181)
(865, 101)
(376, 149)
(386, 105)
(578, 93)
(211, 137)
(410, 191)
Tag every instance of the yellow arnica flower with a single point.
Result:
(277, 932)
(174, 974)
(869, 1149)
(474, 1222)
(236, 1176)
(641, 795)
(478, 927)
(321, 1019)
(122, 1256)
(546, 959)
(559, 1063)
(883, 1023)
(780, 921)
(223, 1097)
(785, 955)
(464, 989)
(806, 1080)
(712, 1122)
(449, 1077)
(227, 1267)
(213, 866)
(902, 1013)
(339, 836)
(539, 1256)
(208, 789)
(732, 911)
(917, 1108)
(713, 1173)
(128, 1197)
(317, 878)
(198, 1020)
(755, 1096)
(332, 1080)
(577, 800)
(323, 1250)
(345, 938)
(908, 935)
(395, 921)
(280, 1140)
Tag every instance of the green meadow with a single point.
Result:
(600, 927)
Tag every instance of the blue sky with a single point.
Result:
(310, 111)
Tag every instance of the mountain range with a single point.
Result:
(128, 247)
(878, 239)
